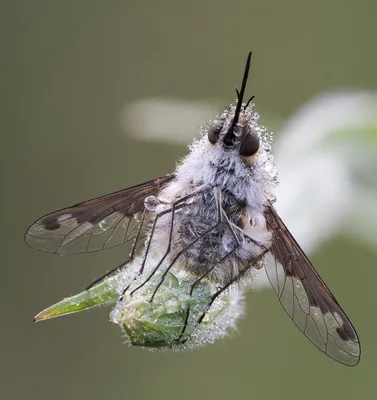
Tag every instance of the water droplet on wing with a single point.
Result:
(104, 225)
(138, 216)
(151, 203)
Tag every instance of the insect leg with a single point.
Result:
(220, 214)
(179, 203)
(127, 260)
(217, 196)
(192, 287)
(233, 280)
(252, 240)
(178, 255)
(147, 247)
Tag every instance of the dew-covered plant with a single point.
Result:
(167, 321)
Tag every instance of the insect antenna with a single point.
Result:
(249, 101)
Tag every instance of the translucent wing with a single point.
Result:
(306, 298)
(95, 224)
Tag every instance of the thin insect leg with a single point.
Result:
(230, 225)
(201, 189)
(252, 240)
(184, 326)
(221, 213)
(166, 253)
(147, 249)
(178, 255)
(175, 205)
(233, 280)
(144, 257)
(127, 260)
(148, 246)
(217, 196)
(210, 270)
(196, 283)
(110, 272)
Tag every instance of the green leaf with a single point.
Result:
(101, 294)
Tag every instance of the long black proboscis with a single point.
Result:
(243, 87)
(240, 94)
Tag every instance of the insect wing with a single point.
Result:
(306, 298)
(93, 225)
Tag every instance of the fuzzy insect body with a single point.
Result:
(224, 218)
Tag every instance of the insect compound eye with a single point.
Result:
(214, 131)
(250, 144)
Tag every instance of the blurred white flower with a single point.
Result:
(326, 155)
(165, 119)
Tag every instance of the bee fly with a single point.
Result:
(214, 217)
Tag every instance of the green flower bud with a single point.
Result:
(161, 322)
(171, 319)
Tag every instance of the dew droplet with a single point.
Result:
(190, 200)
(104, 225)
(255, 117)
(228, 242)
(151, 203)
(137, 216)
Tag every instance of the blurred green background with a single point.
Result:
(67, 69)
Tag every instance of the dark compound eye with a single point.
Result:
(214, 131)
(250, 144)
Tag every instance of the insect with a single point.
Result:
(214, 217)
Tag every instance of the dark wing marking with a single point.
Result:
(95, 224)
(306, 298)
